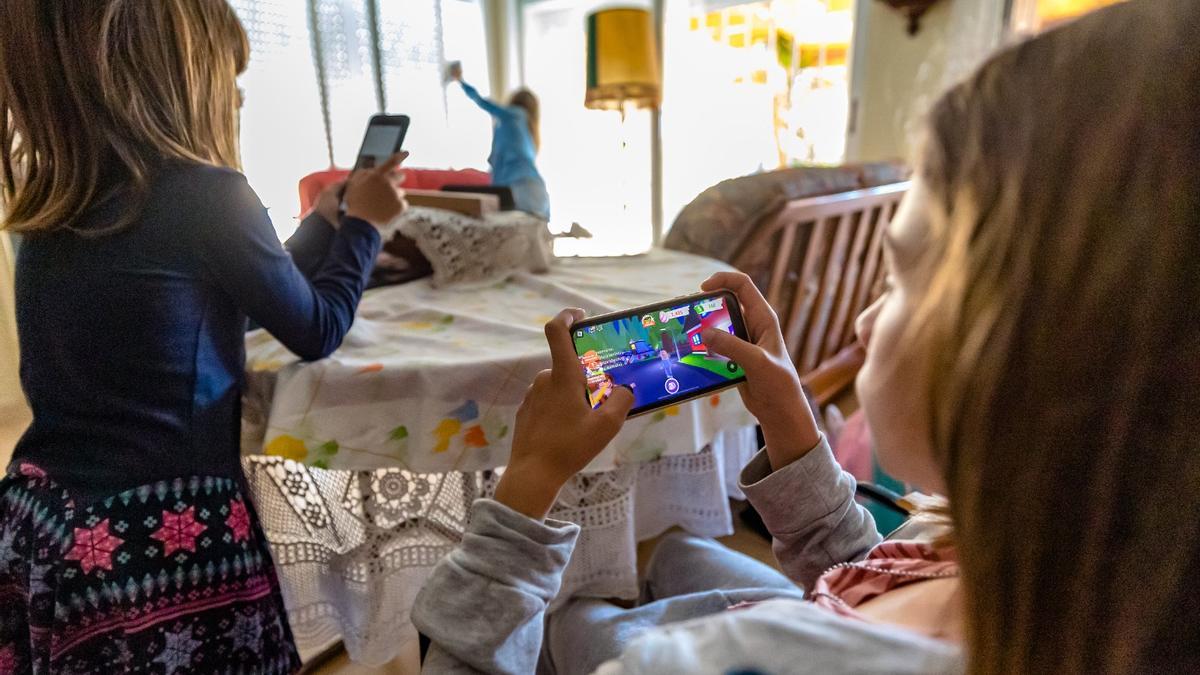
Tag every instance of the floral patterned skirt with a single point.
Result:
(168, 578)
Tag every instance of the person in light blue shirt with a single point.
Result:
(514, 146)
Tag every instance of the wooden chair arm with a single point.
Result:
(834, 374)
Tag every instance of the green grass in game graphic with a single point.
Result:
(643, 338)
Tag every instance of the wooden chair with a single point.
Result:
(827, 267)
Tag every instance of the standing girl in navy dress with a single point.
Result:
(127, 542)
(514, 146)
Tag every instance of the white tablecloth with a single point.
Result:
(363, 465)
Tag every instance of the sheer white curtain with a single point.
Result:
(716, 125)
(742, 93)
(750, 86)
(320, 68)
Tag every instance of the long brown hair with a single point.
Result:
(1063, 315)
(93, 95)
(525, 99)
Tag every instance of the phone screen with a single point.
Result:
(380, 142)
(658, 352)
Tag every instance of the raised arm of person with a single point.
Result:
(491, 107)
(805, 499)
(483, 607)
(241, 253)
(454, 72)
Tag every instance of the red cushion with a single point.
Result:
(414, 179)
(436, 179)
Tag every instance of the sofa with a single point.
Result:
(720, 220)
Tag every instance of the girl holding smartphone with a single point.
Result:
(127, 538)
(1035, 358)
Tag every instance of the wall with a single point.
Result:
(14, 415)
(896, 77)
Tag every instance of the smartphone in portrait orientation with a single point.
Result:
(658, 352)
(384, 138)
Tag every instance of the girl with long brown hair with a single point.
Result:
(127, 540)
(1035, 358)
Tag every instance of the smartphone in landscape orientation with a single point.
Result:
(384, 138)
(658, 352)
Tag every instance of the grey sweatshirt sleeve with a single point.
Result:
(783, 636)
(483, 606)
(808, 507)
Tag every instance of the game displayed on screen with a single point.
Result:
(659, 355)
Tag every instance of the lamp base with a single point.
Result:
(621, 96)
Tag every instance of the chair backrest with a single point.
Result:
(827, 267)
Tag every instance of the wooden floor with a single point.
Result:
(335, 662)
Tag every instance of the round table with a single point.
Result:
(364, 465)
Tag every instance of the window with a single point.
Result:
(309, 94)
(417, 40)
(283, 136)
(747, 87)
(752, 86)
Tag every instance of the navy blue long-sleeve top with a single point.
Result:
(132, 344)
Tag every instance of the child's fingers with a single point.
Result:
(610, 416)
(743, 287)
(565, 362)
(734, 348)
(391, 163)
(760, 316)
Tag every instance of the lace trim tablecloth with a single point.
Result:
(354, 547)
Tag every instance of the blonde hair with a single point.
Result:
(95, 95)
(526, 100)
(1062, 313)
